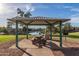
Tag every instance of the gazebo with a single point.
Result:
(39, 21)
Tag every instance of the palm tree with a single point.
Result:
(19, 11)
(27, 14)
(23, 14)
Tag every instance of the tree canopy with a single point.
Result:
(23, 14)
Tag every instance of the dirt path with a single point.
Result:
(11, 52)
(5, 51)
(6, 44)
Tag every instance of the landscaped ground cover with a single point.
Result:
(6, 38)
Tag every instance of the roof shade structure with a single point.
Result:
(38, 20)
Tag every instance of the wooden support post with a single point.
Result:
(17, 34)
(27, 32)
(51, 36)
(60, 34)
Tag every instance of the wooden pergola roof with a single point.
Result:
(38, 20)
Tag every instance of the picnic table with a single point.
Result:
(39, 41)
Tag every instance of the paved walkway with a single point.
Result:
(39, 52)
(32, 49)
(25, 44)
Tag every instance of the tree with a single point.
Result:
(20, 12)
(27, 14)
(23, 14)
(9, 26)
(67, 26)
(4, 30)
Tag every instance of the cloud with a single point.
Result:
(7, 12)
(42, 6)
(75, 9)
(10, 10)
(29, 7)
(74, 18)
(71, 8)
(67, 7)
(75, 15)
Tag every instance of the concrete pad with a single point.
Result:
(25, 44)
(39, 52)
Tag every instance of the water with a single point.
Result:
(36, 33)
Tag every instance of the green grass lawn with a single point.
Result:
(74, 35)
(6, 38)
(71, 35)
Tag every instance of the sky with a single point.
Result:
(54, 10)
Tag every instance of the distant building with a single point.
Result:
(74, 29)
(1, 33)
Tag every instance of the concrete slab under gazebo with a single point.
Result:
(39, 21)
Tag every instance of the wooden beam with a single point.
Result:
(29, 22)
(47, 22)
